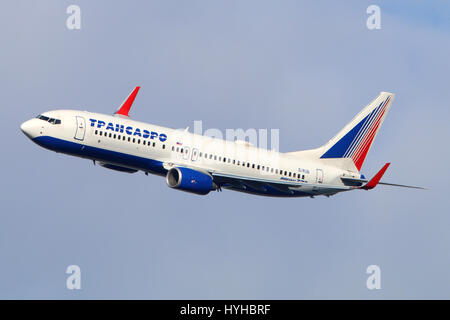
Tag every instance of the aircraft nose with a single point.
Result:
(29, 128)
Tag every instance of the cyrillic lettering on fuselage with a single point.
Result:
(128, 130)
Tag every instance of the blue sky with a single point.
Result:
(305, 68)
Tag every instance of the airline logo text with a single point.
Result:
(128, 130)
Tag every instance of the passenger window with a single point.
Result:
(96, 131)
(154, 144)
(139, 141)
(164, 146)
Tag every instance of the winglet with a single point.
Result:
(125, 107)
(374, 181)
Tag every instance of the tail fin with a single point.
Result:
(355, 140)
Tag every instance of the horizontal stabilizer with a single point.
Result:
(402, 185)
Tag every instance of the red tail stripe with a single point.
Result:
(362, 152)
(364, 148)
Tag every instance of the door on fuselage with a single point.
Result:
(319, 176)
(194, 154)
(81, 128)
(186, 153)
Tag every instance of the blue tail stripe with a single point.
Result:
(340, 147)
(363, 131)
(347, 143)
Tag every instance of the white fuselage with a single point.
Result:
(124, 143)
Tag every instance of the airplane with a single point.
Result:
(200, 164)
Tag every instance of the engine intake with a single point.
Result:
(190, 180)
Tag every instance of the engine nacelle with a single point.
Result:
(190, 180)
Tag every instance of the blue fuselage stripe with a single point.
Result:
(100, 154)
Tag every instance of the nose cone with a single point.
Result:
(30, 128)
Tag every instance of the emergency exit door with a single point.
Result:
(319, 176)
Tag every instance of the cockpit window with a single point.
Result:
(43, 117)
(51, 120)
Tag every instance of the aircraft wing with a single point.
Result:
(273, 188)
(269, 186)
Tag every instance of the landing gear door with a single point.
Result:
(81, 128)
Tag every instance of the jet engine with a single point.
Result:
(190, 180)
